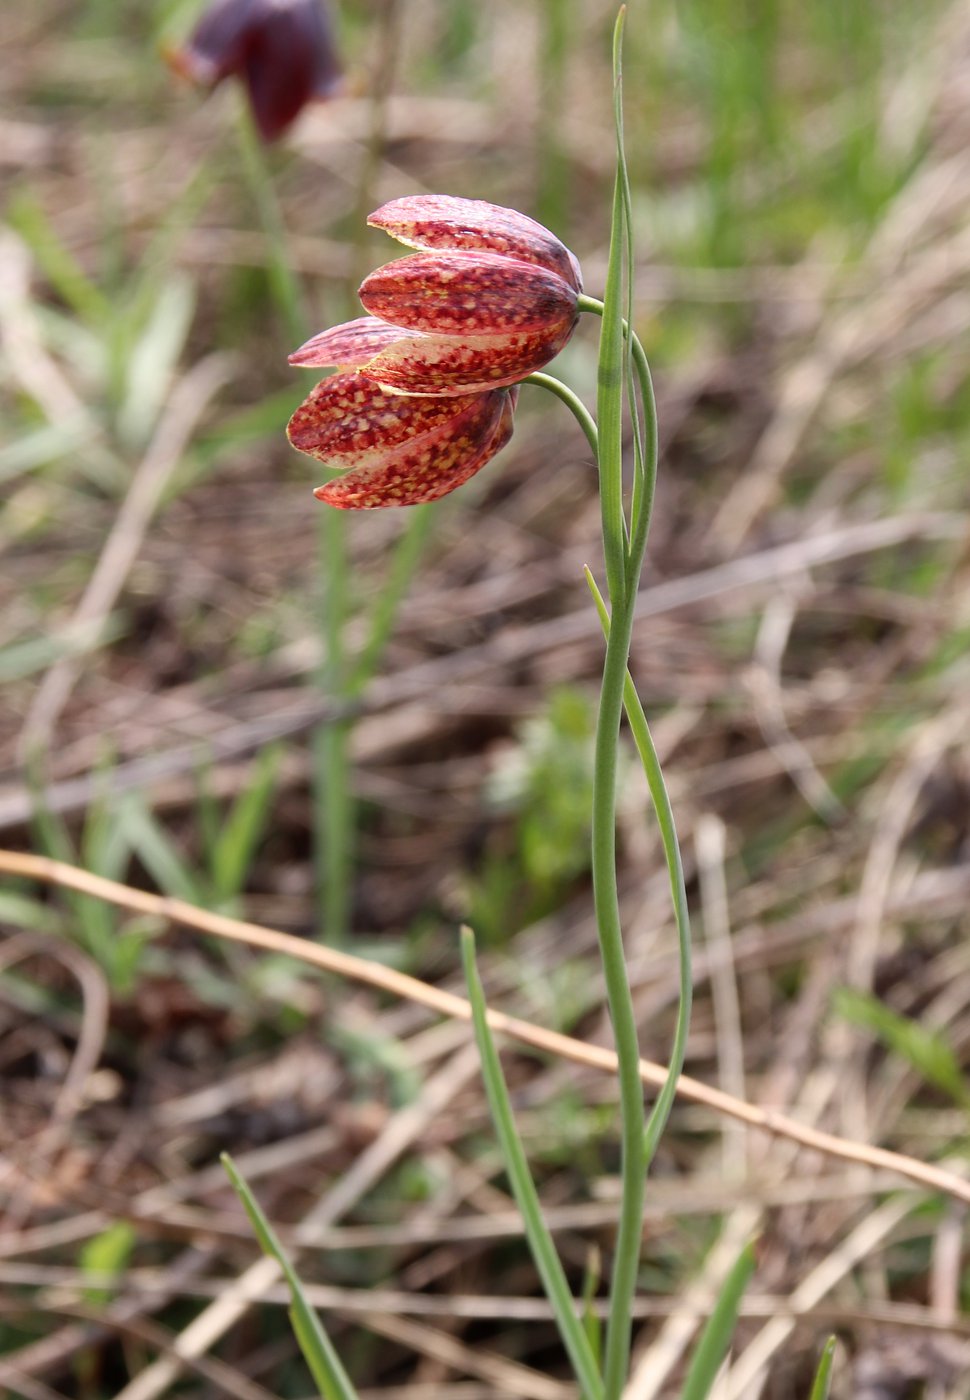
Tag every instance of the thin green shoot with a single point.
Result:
(719, 1329)
(572, 1331)
(318, 1350)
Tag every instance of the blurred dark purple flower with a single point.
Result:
(283, 50)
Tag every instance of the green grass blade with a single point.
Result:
(235, 845)
(823, 1376)
(328, 1372)
(158, 853)
(63, 272)
(151, 357)
(547, 1261)
(923, 1047)
(717, 1334)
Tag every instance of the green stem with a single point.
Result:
(573, 402)
(643, 499)
(334, 818)
(633, 1125)
(619, 997)
(660, 798)
(284, 282)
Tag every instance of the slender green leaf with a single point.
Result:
(610, 372)
(157, 852)
(547, 1261)
(823, 1376)
(50, 443)
(235, 845)
(95, 923)
(151, 361)
(107, 1253)
(64, 274)
(21, 659)
(318, 1350)
(717, 1334)
(922, 1046)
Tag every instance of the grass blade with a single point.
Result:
(235, 846)
(717, 1334)
(537, 1232)
(823, 1376)
(328, 1372)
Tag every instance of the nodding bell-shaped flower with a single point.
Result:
(283, 50)
(398, 449)
(490, 297)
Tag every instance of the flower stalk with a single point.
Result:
(423, 398)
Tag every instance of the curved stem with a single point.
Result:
(572, 401)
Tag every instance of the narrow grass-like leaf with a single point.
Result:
(97, 928)
(235, 845)
(318, 1350)
(719, 1329)
(50, 443)
(921, 1046)
(544, 1253)
(611, 378)
(152, 358)
(650, 761)
(21, 659)
(157, 852)
(107, 1253)
(65, 275)
(823, 1376)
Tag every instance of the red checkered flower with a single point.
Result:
(398, 449)
(491, 296)
(283, 50)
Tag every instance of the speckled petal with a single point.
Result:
(432, 221)
(468, 294)
(427, 468)
(348, 346)
(349, 421)
(440, 364)
(399, 450)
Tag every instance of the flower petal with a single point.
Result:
(440, 364)
(470, 293)
(217, 45)
(431, 221)
(348, 346)
(402, 450)
(430, 468)
(282, 49)
(290, 60)
(349, 421)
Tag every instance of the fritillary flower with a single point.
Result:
(282, 50)
(491, 297)
(398, 449)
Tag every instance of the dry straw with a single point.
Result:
(358, 969)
